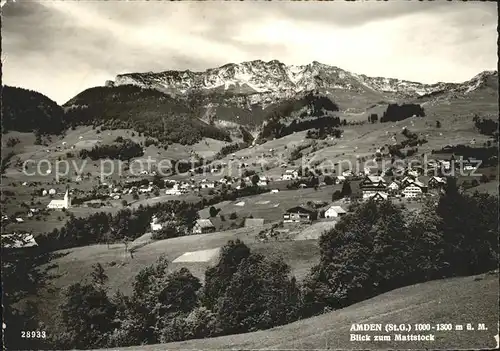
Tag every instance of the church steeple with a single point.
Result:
(67, 199)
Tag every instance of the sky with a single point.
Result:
(61, 48)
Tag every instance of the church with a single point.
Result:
(60, 204)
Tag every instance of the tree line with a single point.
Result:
(486, 126)
(395, 112)
(121, 149)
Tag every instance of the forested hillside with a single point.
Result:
(145, 110)
(29, 111)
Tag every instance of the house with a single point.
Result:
(287, 177)
(254, 222)
(372, 185)
(293, 173)
(412, 173)
(208, 185)
(412, 190)
(274, 191)
(407, 180)
(175, 190)
(262, 183)
(393, 187)
(340, 179)
(347, 173)
(300, 214)
(470, 164)
(156, 224)
(203, 226)
(379, 197)
(436, 182)
(60, 204)
(335, 212)
(445, 161)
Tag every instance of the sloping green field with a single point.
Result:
(452, 301)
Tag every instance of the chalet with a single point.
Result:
(335, 212)
(155, 224)
(300, 214)
(393, 187)
(203, 226)
(436, 182)
(414, 189)
(372, 185)
(407, 180)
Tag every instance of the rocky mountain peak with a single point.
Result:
(273, 79)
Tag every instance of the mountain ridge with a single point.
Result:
(279, 80)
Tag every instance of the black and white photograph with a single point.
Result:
(249, 175)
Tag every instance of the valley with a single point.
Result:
(278, 160)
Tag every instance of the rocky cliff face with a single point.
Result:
(275, 80)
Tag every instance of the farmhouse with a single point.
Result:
(393, 187)
(203, 226)
(335, 212)
(414, 189)
(60, 204)
(436, 182)
(175, 190)
(372, 185)
(208, 185)
(299, 214)
(445, 161)
(155, 224)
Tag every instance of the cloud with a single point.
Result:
(62, 47)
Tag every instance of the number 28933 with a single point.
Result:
(34, 334)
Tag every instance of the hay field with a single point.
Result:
(259, 207)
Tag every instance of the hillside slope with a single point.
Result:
(145, 110)
(456, 301)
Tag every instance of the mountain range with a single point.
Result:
(265, 82)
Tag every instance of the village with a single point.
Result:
(411, 187)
